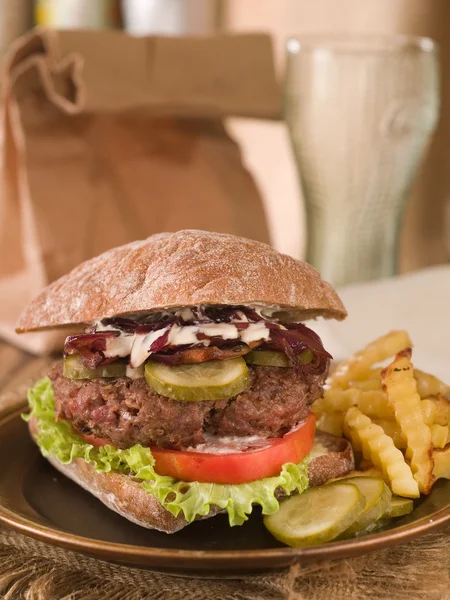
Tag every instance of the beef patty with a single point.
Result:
(128, 412)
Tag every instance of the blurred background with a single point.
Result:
(425, 237)
(408, 172)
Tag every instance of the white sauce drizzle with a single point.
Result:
(137, 346)
(134, 374)
(120, 345)
(230, 444)
(183, 335)
(227, 331)
(140, 345)
(254, 332)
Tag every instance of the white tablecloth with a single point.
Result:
(418, 302)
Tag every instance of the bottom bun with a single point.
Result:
(126, 496)
(337, 459)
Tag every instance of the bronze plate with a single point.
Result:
(37, 501)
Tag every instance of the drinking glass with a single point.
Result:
(359, 111)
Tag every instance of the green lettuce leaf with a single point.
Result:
(192, 498)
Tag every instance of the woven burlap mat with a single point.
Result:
(32, 570)
(35, 571)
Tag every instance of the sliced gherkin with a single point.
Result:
(398, 507)
(211, 380)
(318, 515)
(373, 527)
(73, 369)
(274, 358)
(378, 497)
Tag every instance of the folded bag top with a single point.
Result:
(109, 138)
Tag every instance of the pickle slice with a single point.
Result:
(211, 380)
(374, 527)
(73, 369)
(378, 497)
(398, 507)
(317, 516)
(273, 358)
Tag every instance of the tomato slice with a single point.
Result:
(95, 441)
(236, 467)
(239, 467)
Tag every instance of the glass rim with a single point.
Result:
(354, 43)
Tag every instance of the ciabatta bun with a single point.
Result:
(126, 496)
(185, 268)
(337, 459)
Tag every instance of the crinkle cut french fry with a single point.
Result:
(366, 385)
(336, 400)
(380, 449)
(331, 423)
(442, 416)
(441, 460)
(398, 380)
(429, 411)
(439, 435)
(375, 404)
(318, 407)
(339, 400)
(392, 429)
(352, 435)
(361, 363)
(429, 385)
(374, 373)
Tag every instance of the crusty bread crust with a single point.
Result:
(123, 495)
(120, 493)
(126, 496)
(185, 268)
(338, 460)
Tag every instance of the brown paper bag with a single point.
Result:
(108, 138)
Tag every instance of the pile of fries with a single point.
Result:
(396, 417)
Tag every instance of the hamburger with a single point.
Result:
(187, 390)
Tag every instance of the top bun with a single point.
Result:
(185, 268)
